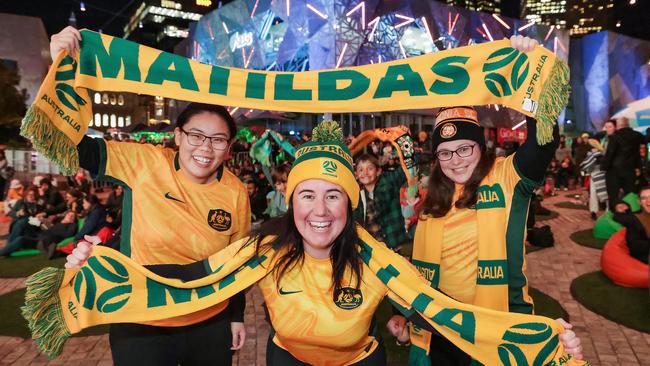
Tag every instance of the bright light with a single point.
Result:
(525, 26)
(501, 21)
(338, 62)
(140, 24)
(250, 56)
(292, 132)
(310, 7)
(487, 32)
(402, 48)
(407, 20)
(496, 106)
(518, 125)
(234, 110)
(225, 27)
(82, 6)
(254, 8)
(453, 25)
(375, 22)
(361, 5)
(426, 26)
(632, 2)
(288, 7)
(618, 24)
(549, 32)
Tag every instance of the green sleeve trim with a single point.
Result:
(515, 234)
(101, 172)
(206, 265)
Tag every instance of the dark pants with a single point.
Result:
(206, 343)
(616, 181)
(278, 356)
(444, 353)
(18, 243)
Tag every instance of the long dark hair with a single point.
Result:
(289, 246)
(441, 189)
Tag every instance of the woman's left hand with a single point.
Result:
(523, 44)
(570, 341)
(238, 335)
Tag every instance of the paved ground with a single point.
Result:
(550, 270)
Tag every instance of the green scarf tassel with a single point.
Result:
(553, 99)
(43, 311)
(50, 141)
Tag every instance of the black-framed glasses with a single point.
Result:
(197, 139)
(463, 152)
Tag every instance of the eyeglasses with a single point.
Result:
(463, 152)
(197, 139)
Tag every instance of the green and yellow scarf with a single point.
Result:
(535, 84)
(111, 288)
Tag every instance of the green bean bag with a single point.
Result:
(606, 226)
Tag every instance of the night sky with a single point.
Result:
(111, 15)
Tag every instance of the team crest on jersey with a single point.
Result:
(219, 219)
(348, 298)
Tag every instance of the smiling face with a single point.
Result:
(320, 211)
(458, 169)
(367, 173)
(644, 200)
(200, 163)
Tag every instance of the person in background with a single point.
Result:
(48, 239)
(379, 210)
(50, 198)
(637, 225)
(14, 194)
(275, 201)
(116, 197)
(622, 161)
(27, 216)
(597, 187)
(563, 150)
(4, 176)
(257, 199)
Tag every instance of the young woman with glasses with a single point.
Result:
(469, 241)
(179, 207)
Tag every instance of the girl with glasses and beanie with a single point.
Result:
(179, 206)
(471, 235)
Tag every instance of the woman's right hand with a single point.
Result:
(82, 252)
(67, 39)
(398, 328)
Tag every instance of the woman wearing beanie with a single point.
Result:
(471, 235)
(320, 290)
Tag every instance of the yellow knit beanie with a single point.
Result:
(325, 157)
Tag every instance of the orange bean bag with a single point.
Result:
(620, 267)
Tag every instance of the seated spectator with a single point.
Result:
(27, 215)
(276, 204)
(115, 198)
(95, 215)
(113, 222)
(48, 239)
(44, 240)
(14, 194)
(637, 225)
(50, 198)
(566, 174)
(80, 182)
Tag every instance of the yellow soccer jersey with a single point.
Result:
(459, 255)
(315, 326)
(167, 218)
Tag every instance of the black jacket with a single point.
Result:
(622, 154)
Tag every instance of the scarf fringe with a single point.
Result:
(43, 311)
(553, 99)
(50, 141)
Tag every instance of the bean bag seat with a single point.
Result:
(620, 267)
(605, 226)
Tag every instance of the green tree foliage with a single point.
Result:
(12, 99)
